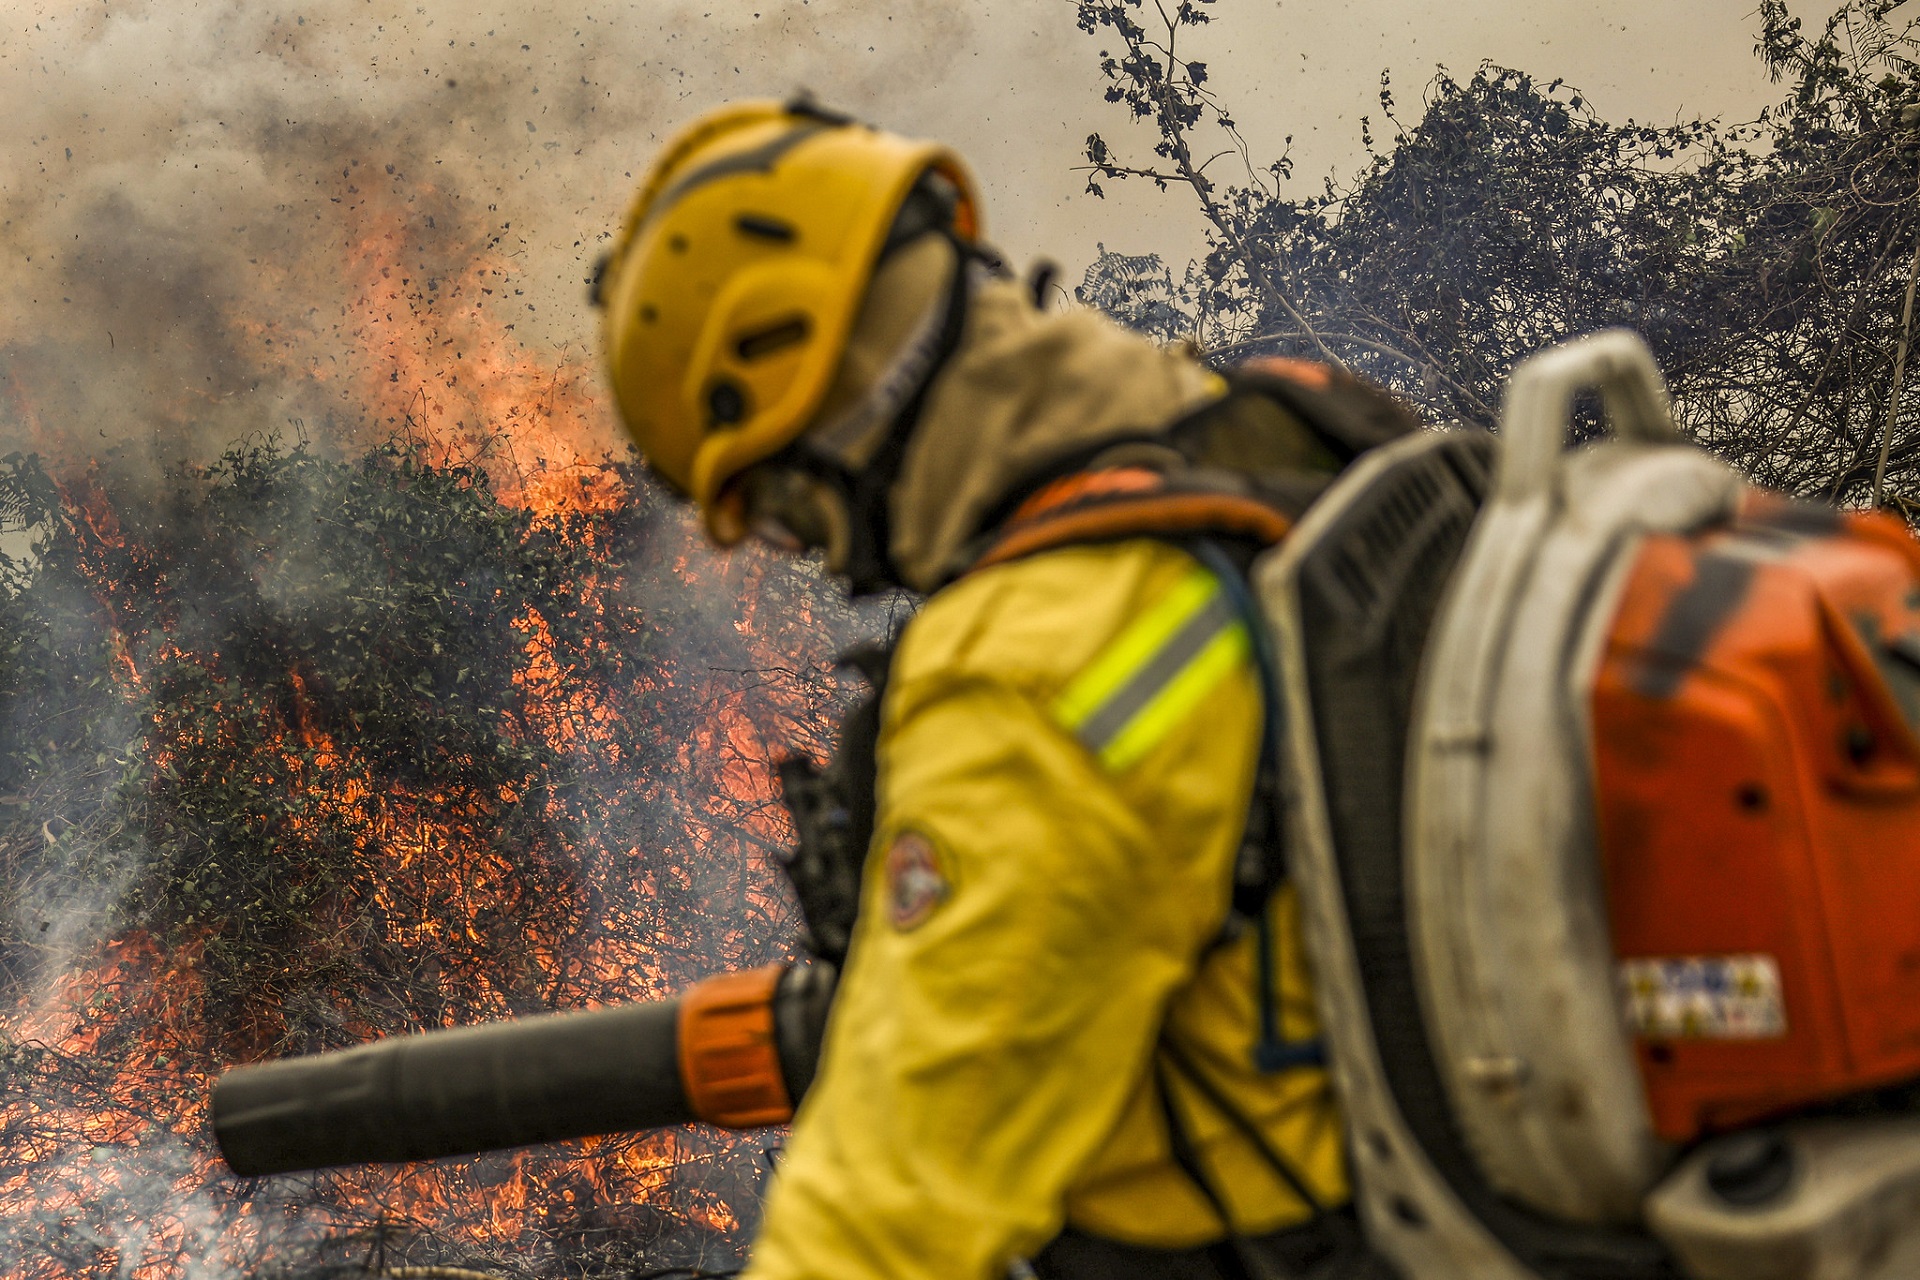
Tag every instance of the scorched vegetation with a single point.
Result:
(295, 753)
(1770, 263)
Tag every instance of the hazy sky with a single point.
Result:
(1309, 68)
(228, 214)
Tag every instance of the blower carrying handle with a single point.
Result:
(735, 1050)
(1537, 414)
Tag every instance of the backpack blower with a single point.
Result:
(1607, 820)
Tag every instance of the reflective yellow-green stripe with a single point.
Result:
(1178, 697)
(1145, 682)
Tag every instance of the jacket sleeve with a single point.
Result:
(1023, 927)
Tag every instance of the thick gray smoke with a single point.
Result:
(224, 217)
(230, 217)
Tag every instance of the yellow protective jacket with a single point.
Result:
(1066, 761)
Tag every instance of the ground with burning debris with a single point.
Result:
(297, 752)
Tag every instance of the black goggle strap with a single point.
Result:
(871, 566)
(895, 397)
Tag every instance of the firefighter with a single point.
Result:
(1055, 1041)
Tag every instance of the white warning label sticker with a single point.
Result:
(1703, 998)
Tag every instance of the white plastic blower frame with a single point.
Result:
(1505, 908)
(1510, 939)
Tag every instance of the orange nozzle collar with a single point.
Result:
(729, 1059)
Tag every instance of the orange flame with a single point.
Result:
(426, 356)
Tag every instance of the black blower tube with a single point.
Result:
(505, 1084)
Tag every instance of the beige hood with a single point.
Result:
(1024, 388)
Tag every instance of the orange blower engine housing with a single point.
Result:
(1756, 734)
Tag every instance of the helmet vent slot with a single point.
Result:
(762, 227)
(777, 338)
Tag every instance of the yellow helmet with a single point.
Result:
(731, 292)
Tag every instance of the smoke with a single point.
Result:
(345, 218)
(229, 217)
(339, 221)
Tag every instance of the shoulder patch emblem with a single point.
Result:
(916, 884)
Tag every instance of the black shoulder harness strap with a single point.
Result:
(833, 815)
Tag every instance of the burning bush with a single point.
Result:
(301, 752)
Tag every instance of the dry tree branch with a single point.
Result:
(1899, 362)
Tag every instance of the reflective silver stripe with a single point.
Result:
(1099, 730)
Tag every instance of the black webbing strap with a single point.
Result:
(1223, 1253)
(1263, 862)
(1172, 1055)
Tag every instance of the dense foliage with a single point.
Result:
(1767, 262)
